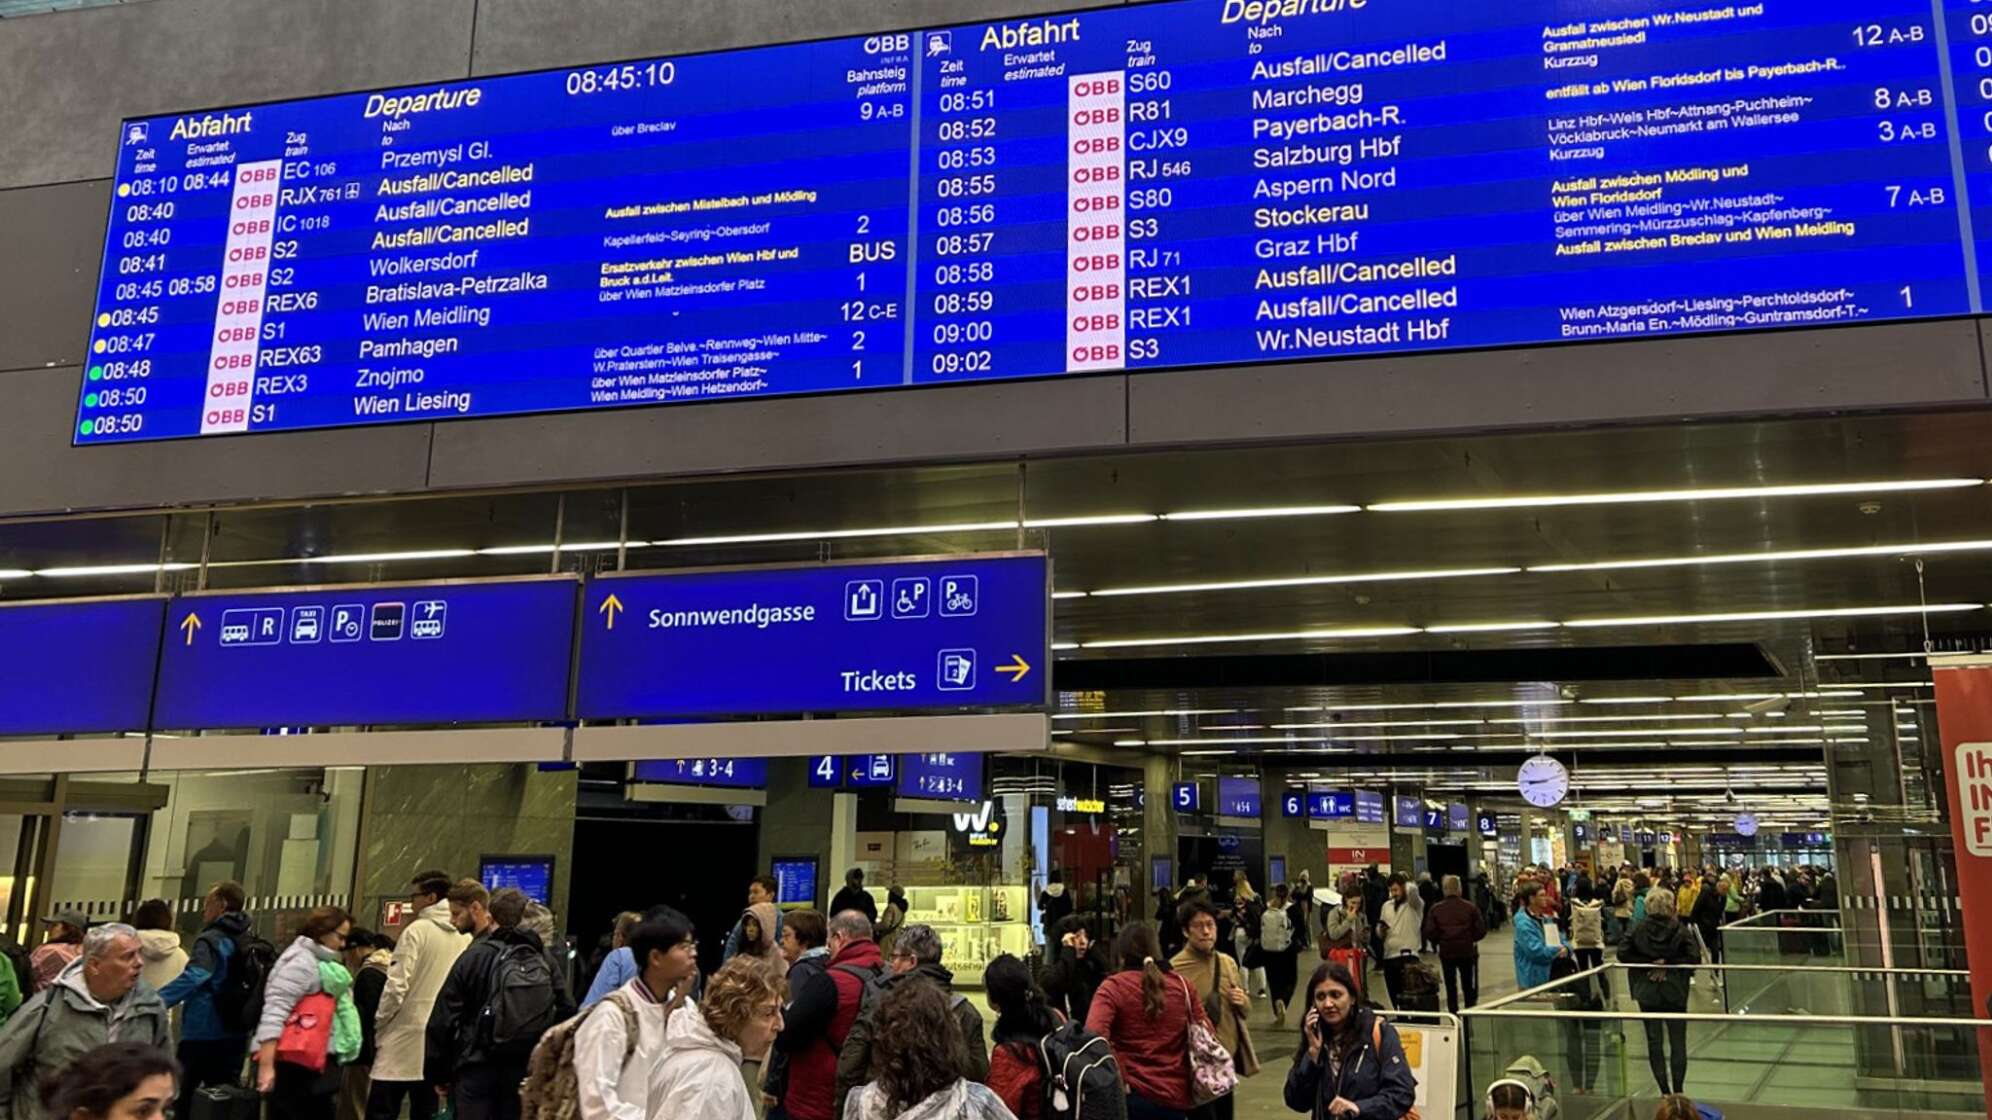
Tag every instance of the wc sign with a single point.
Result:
(1974, 788)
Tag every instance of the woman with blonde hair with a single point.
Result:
(705, 1043)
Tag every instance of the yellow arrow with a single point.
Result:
(609, 608)
(190, 624)
(1017, 667)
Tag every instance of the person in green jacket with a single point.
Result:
(97, 999)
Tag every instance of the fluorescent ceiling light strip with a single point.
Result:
(1069, 594)
(1095, 519)
(1867, 656)
(389, 557)
(1796, 729)
(1249, 512)
(1288, 636)
(1627, 700)
(1773, 616)
(1407, 707)
(1303, 739)
(1490, 627)
(546, 549)
(1629, 497)
(1742, 697)
(1771, 557)
(1188, 754)
(1557, 718)
(1389, 723)
(1301, 581)
(841, 534)
(19, 573)
(1139, 715)
(1670, 731)
(113, 570)
(1065, 645)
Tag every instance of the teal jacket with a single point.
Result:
(1533, 953)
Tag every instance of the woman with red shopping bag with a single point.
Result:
(1342, 935)
(309, 1027)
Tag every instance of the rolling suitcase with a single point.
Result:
(226, 1102)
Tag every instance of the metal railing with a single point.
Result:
(1774, 1059)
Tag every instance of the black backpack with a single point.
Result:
(1418, 988)
(239, 999)
(522, 1003)
(1081, 1079)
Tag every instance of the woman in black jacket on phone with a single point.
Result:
(1076, 967)
(1350, 1064)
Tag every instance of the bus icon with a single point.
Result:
(430, 615)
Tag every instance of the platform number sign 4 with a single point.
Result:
(1543, 781)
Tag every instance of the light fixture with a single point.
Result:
(1300, 581)
(1096, 519)
(1649, 732)
(1388, 723)
(112, 570)
(1627, 700)
(1064, 645)
(1631, 497)
(1773, 616)
(839, 534)
(23, 573)
(1139, 715)
(1286, 636)
(1867, 656)
(389, 557)
(1406, 707)
(1490, 627)
(1771, 557)
(547, 549)
(1249, 513)
(1068, 594)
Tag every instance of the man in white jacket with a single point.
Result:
(618, 1078)
(422, 959)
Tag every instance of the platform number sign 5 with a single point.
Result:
(1184, 797)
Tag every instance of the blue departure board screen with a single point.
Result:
(1181, 183)
(530, 875)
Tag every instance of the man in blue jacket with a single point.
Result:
(1537, 942)
(211, 1048)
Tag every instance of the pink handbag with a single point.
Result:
(1212, 1074)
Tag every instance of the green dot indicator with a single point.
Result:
(86, 427)
(96, 373)
(90, 400)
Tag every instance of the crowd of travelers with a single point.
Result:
(844, 1015)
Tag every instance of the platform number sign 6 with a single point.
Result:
(1292, 805)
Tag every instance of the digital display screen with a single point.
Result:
(531, 876)
(495, 652)
(966, 631)
(1238, 797)
(77, 668)
(795, 881)
(1183, 183)
(1369, 807)
(950, 777)
(1410, 812)
(1457, 817)
(734, 773)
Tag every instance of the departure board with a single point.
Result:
(1182, 183)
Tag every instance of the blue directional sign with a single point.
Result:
(1293, 805)
(1330, 805)
(1187, 797)
(858, 771)
(79, 667)
(476, 652)
(1410, 812)
(966, 631)
(734, 773)
(1238, 797)
(1457, 817)
(950, 777)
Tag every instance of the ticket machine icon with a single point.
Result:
(957, 670)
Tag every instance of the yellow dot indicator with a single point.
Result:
(104, 320)
(124, 190)
(99, 346)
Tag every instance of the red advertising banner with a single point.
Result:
(1964, 715)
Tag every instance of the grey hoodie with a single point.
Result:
(60, 1024)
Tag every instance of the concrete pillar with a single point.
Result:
(1158, 829)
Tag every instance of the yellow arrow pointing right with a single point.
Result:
(190, 624)
(1018, 668)
(609, 608)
